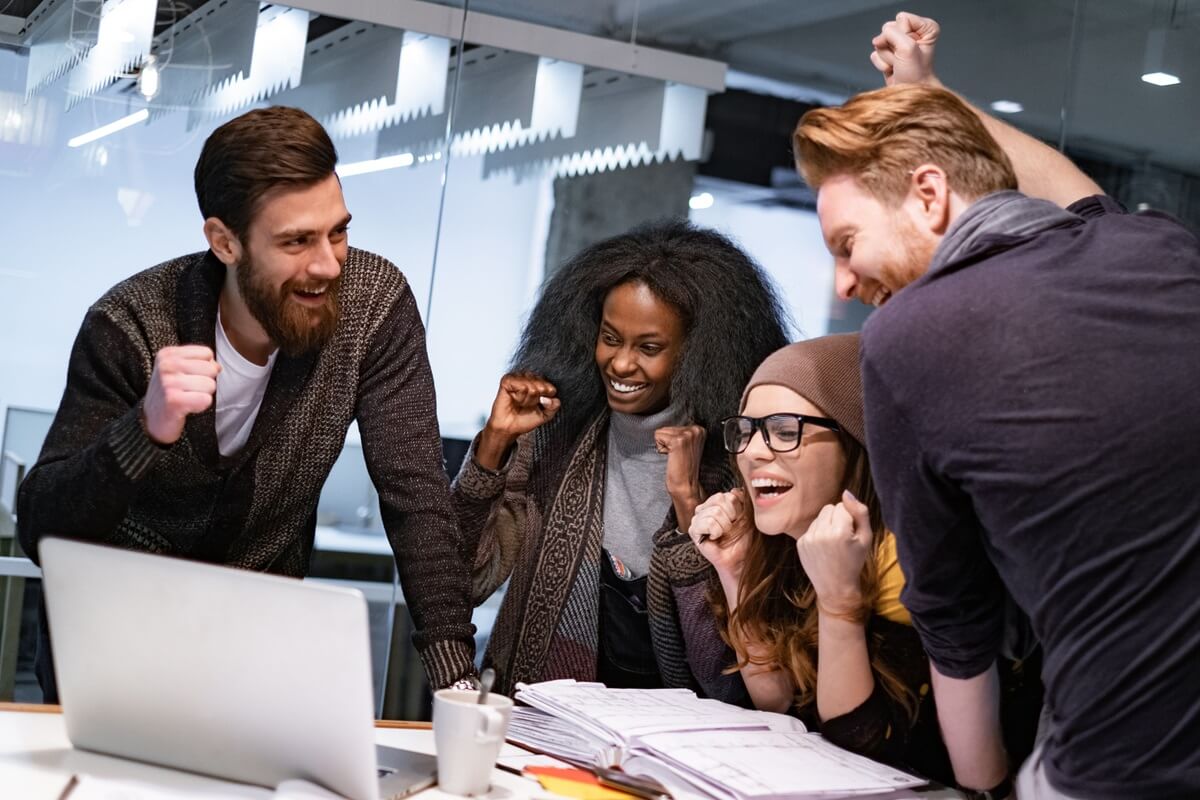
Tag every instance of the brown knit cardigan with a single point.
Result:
(538, 523)
(100, 477)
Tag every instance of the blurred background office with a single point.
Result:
(484, 142)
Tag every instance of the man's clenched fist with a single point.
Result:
(184, 382)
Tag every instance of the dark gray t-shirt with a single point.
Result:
(1033, 417)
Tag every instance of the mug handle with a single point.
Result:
(491, 725)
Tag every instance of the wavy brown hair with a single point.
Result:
(777, 609)
(879, 137)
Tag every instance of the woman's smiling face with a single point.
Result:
(640, 340)
(789, 489)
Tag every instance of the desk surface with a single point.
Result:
(37, 760)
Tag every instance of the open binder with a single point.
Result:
(694, 747)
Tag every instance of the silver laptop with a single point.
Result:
(239, 675)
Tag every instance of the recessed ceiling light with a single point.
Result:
(1160, 78)
(1007, 107)
(701, 201)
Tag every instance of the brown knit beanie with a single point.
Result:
(825, 371)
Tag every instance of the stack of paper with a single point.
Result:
(763, 765)
(547, 734)
(692, 745)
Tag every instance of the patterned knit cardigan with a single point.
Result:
(99, 476)
(538, 523)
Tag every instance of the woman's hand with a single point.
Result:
(523, 402)
(833, 552)
(721, 529)
(684, 446)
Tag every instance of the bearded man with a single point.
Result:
(208, 397)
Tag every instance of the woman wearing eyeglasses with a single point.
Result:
(809, 577)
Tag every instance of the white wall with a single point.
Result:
(787, 243)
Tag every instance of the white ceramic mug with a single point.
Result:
(468, 737)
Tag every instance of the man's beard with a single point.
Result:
(915, 253)
(296, 328)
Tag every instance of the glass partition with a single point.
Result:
(103, 110)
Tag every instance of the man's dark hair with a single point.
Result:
(256, 153)
(732, 315)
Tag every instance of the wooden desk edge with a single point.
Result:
(36, 708)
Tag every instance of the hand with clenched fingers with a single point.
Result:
(904, 50)
(833, 551)
(183, 382)
(721, 529)
(523, 402)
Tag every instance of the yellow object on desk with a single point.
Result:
(576, 783)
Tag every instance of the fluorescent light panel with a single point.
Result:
(375, 165)
(110, 128)
(1008, 107)
(1161, 78)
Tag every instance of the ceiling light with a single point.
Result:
(148, 79)
(701, 201)
(1008, 107)
(375, 165)
(1162, 53)
(1160, 78)
(125, 32)
(110, 128)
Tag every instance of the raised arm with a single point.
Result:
(489, 491)
(904, 54)
(114, 423)
(721, 529)
(833, 552)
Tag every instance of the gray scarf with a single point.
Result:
(1009, 213)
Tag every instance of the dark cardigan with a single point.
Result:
(100, 477)
(538, 523)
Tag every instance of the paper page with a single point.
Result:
(771, 764)
(676, 782)
(539, 731)
(618, 715)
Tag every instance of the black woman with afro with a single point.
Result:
(601, 442)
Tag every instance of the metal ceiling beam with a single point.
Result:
(10, 26)
(722, 21)
(525, 37)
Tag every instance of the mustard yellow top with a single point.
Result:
(891, 581)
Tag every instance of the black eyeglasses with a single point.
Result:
(781, 432)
